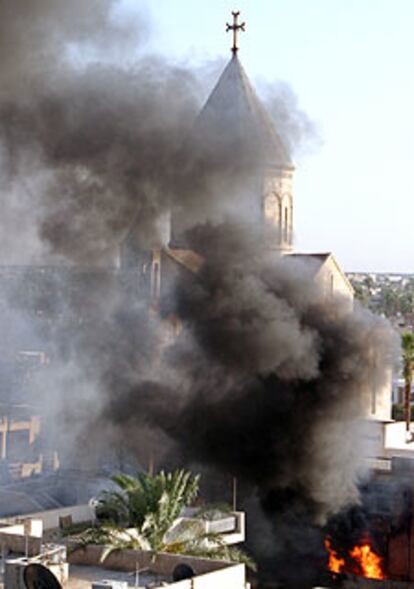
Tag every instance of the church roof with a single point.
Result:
(318, 257)
(233, 112)
(186, 257)
(318, 260)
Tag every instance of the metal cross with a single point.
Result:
(235, 27)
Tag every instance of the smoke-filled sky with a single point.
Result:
(266, 374)
(350, 64)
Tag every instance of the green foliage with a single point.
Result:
(212, 546)
(407, 343)
(112, 537)
(149, 505)
(369, 282)
(179, 490)
(406, 303)
(362, 294)
(148, 499)
(398, 412)
(394, 300)
(75, 529)
(204, 546)
(391, 302)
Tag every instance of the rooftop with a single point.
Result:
(234, 113)
(82, 577)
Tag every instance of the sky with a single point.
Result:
(350, 63)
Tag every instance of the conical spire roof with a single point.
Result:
(234, 113)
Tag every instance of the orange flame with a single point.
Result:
(369, 562)
(335, 564)
(360, 560)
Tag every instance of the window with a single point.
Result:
(286, 226)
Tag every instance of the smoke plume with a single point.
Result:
(268, 382)
(268, 378)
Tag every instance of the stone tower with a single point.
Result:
(233, 113)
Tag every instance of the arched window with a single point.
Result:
(286, 225)
(272, 209)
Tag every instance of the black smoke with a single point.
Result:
(268, 378)
(268, 381)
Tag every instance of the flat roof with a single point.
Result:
(82, 577)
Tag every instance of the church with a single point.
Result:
(234, 108)
(233, 105)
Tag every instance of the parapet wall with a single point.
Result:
(51, 517)
(209, 574)
(161, 563)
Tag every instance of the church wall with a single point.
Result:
(333, 283)
(278, 206)
(242, 203)
(379, 402)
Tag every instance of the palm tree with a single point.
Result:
(142, 513)
(204, 545)
(407, 341)
(149, 502)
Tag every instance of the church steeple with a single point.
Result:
(233, 115)
(234, 108)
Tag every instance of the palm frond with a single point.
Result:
(212, 546)
(151, 504)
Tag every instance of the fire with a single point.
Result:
(361, 560)
(369, 562)
(335, 564)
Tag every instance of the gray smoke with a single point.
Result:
(99, 143)
(300, 134)
(267, 379)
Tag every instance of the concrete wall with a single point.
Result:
(13, 538)
(126, 560)
(210, 574)
(334, 283)
(373, 438)
(50, 518)
(395, 435)
(7, 425)
(278, 206)
(234, 577)
(231, 527)
(378, 396)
